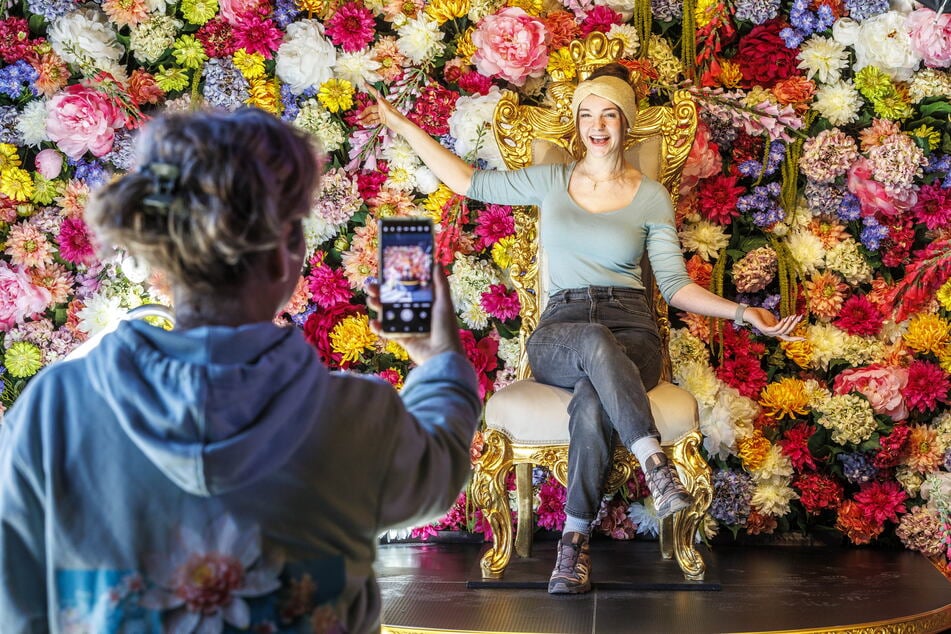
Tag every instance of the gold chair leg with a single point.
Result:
(696, 476)
(524, 494)
(489, 494)
(667, 537)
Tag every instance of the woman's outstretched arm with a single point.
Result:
(449, 168)
(694, 298)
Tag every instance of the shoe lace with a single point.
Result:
(568, 556)
(660, 480)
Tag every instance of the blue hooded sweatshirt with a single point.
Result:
(217, 479)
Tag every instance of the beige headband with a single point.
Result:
(614, 89)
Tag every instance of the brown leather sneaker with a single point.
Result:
(572, 567)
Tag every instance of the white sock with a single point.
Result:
(644, 448)
(576, 525)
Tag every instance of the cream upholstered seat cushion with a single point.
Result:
(532, 413)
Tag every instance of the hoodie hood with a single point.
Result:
(214, 408)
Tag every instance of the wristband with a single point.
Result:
(738, 315)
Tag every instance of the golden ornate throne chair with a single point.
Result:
(527, 422)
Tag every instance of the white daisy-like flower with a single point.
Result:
(704, 238)
(777, 466)
(32, 123)
(359, 68)
(626, 33)
(400, 154)
(806, 250)
(823, 58)
(827, 344)
(100, 312)
(644, 517)
(420, 39)
(698, 378)
(317, 231)
(839, 102)
(772, 498)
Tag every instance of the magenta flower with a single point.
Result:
(82, 119)
(257, 34)
(551, 505)
(881, 501)
(328, 286)
(501, 303)
(494, 223)
(933, 208)
(351, 27)
(927, 386)
(75, 244)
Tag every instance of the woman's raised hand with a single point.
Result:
(766, 323)
(382, 113)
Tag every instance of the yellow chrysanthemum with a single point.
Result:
(730, 74)
(799, 352)
(753, 450)
(45, 191)
(928, 134)
(444, 10)
(560, 65)
(265, 94)
(465, 48)
(502, 252)
(251, 65)
(927, 333)
(351, 337)
(705, 11)
(944, 358)
(944, 295)
(436, 202)
(9, 157)
(198, 11)
(171, 79)
(23, 359)
(398, 351)
(787, 397)
(16, 184)
(315, 7)
(188, 52)
(336, 94)
(892, 107)
(873, 83)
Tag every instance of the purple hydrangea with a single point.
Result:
(722, 131)
(732, 494)
(9, 117)
(756, 11)
(285, 12)
(16, 78)
(873, 233)
(51, 9)
(850, 208)
(290, 102)
(122, 154)
(763, 204)
(753, 168)
(947, 460)
(225, 86)
(91, 172)
(865, 9)
(856, 468)
(823, 199)
(667, 10)
(804, 22)
(301, 318)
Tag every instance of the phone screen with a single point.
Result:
(406, 274)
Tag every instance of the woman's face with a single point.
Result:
(601, 126)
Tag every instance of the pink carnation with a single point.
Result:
(551, 505)
(494, 223)
(872, 195)
(881, 501)
(601, 19)
(81, 118)
(933, 208)
(511, 44)
(476, 83)
(328, 286)
(501, 303)
(930, 36)
(882, 386)
(19, 297)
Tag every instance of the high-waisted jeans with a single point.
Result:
(602, 343)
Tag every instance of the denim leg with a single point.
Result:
(589, 452)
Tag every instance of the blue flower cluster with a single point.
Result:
(850, 208)
(865, 9)
(873, 233)
(856, 468)
(823, 199)
(9, 117)
(51, 9)
(732, 493)
(16, 78)
(763, 203)
(940, 164)
(804, 22)
(92, 172)
(225, 86)
(753, 168)
(285, 12)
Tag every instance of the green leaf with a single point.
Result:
(937, 108)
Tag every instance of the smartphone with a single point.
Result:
(406, 275)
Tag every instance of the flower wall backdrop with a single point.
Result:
(819, 183)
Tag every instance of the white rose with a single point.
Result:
(845, 31)
(471, 126)
(624, 7)
(884, 42)
(86, 35)
(305, 58)
(426, 181)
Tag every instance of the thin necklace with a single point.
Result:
(596, 182)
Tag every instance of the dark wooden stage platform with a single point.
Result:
(429, 588)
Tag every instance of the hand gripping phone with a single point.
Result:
(406, 275)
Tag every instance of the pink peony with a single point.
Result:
(81, 118)
(881, 385)
(49, 163)
(19, 297)
(702, 162)
(234, 10)
(930, 36)
(511, 44)
(872, 195)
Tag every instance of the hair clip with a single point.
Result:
(164, 183)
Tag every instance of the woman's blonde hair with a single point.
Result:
(211, 191)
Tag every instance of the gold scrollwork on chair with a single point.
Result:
(520, 130)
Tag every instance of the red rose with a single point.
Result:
(763, 56)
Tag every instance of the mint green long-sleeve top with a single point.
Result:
(592, 249)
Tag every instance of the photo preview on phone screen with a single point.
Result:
(406, 274)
